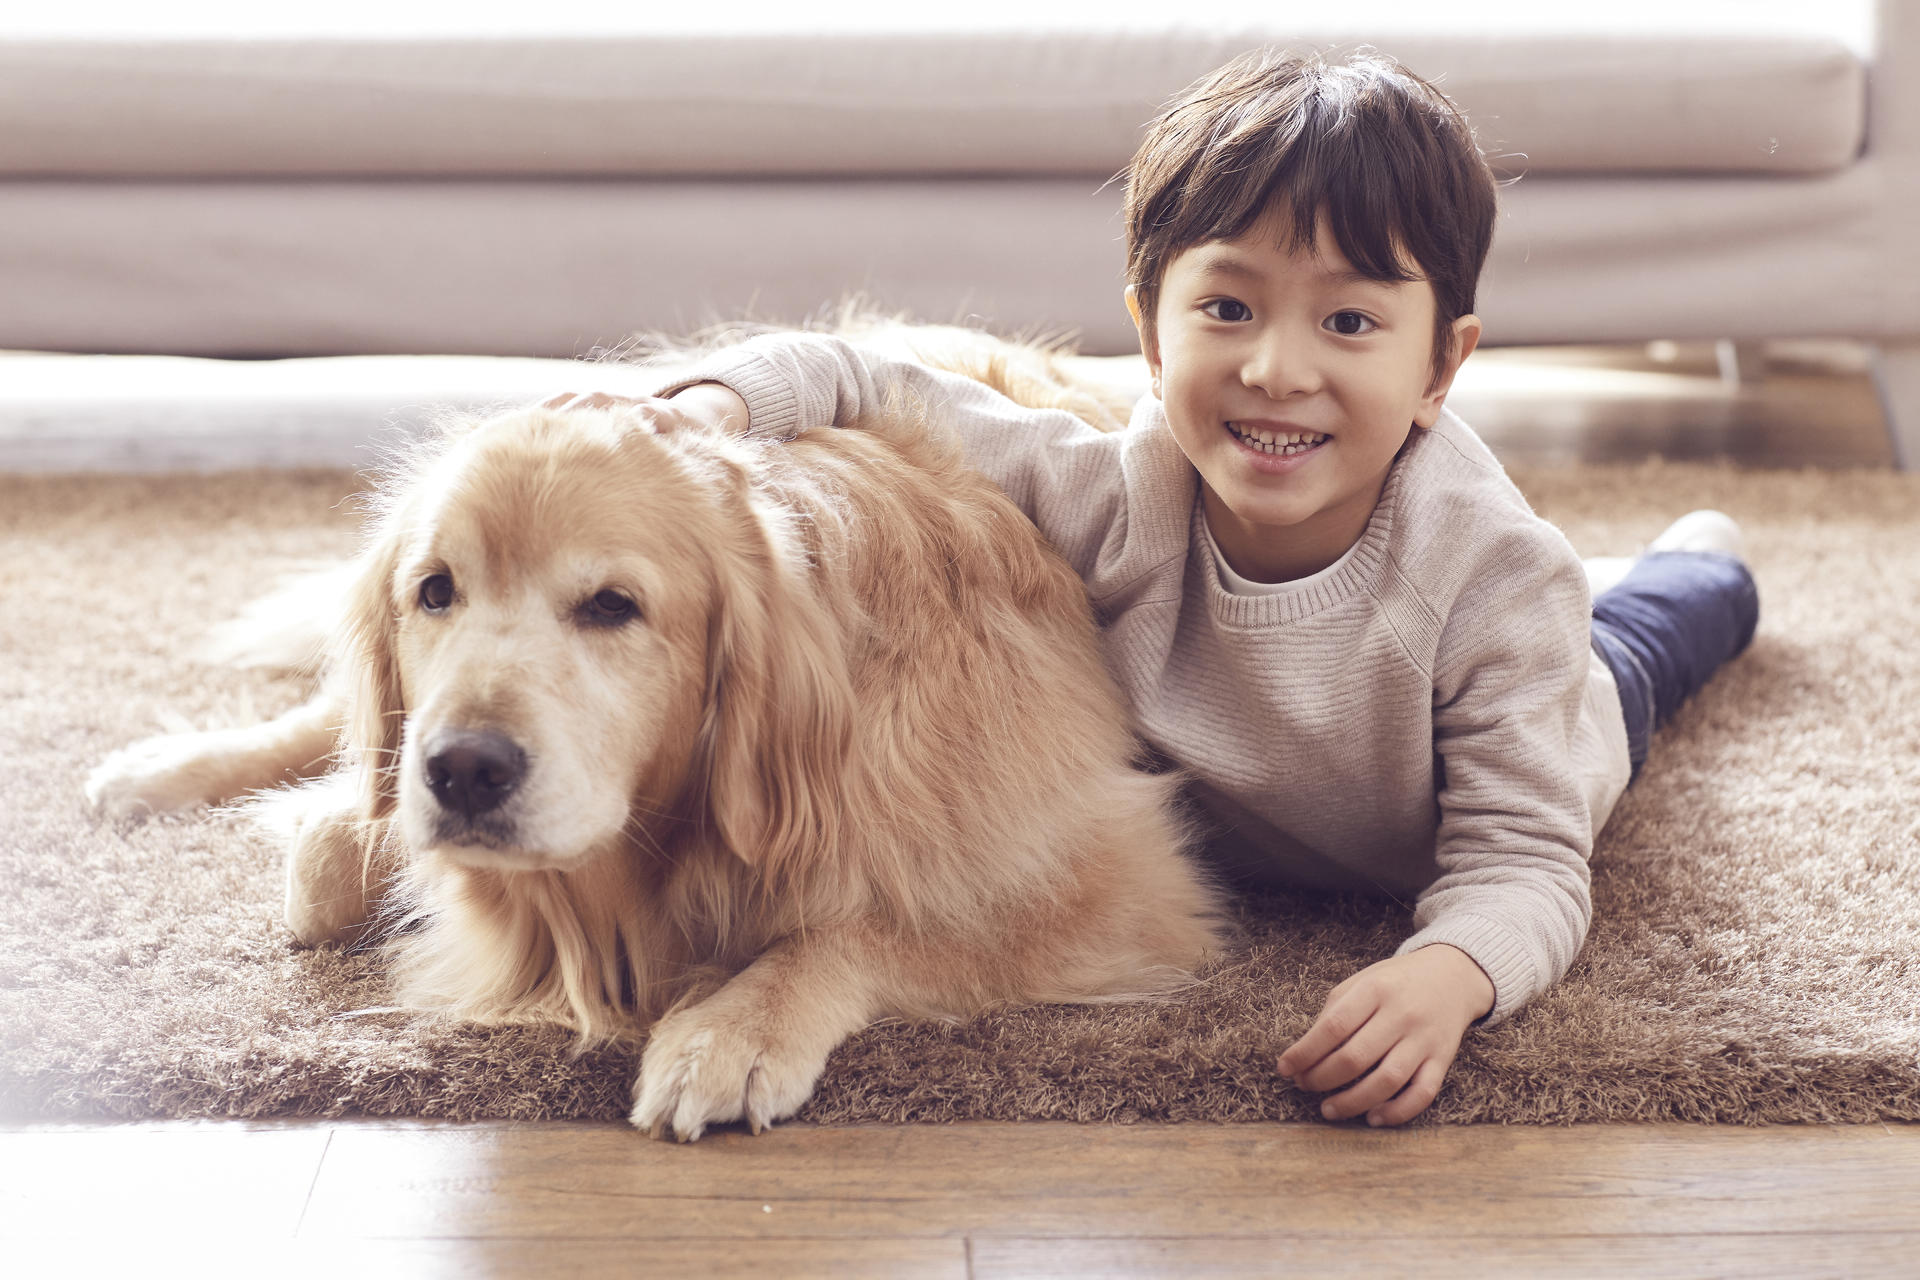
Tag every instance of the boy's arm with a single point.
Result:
(1515, 832)
(1062, 473)
(1510, 908)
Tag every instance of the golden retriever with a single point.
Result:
(743, 743)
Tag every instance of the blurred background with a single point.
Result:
(1703, 246)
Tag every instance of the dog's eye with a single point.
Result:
(610, 608)
(436, 593)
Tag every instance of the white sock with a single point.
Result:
(1703, 530)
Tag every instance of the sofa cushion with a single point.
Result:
(997, 88)
(302, 267)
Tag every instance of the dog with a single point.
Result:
(738, 744)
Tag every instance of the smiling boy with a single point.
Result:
(1317, 587)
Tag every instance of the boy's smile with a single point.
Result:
(1277, 446)
(1291, 382)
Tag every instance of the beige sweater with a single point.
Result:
(1427, 719)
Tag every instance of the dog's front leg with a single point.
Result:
(179, 770)
(754, 1049)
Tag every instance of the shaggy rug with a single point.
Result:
(1754, 955)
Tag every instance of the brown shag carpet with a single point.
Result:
(1754, 956)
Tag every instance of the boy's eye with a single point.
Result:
(1227, 309)
(1349, 323)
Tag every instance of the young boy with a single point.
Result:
(1319, 590)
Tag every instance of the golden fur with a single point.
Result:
(854, 756)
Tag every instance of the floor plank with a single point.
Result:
(1061, 1180)
(66, 1181)
(427, 1199)
(1523, 1257)
(1814, 406)
(708, 1259)
(211, 1254)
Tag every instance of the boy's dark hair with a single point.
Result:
(1387, 157)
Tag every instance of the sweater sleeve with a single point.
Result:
(1062, 473)
(1514, 835)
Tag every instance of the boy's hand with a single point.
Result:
(708, 406)
(1401, 1019)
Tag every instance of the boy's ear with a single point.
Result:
(1466, 336)
(1148, 348)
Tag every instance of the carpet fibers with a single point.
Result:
(1754, 956)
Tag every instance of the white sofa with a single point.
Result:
(221, 182)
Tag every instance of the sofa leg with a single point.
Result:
(1896, 376)
(1742, 364)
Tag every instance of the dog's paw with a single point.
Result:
(701, 1069)
(154, 775)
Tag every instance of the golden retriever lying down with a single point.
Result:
(751, 743)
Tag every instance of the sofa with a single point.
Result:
(219, 182)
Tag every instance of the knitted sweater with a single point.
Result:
(1426, 719)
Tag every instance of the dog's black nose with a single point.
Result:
(471, 771)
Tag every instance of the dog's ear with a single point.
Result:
(776, 736)
(367, 676)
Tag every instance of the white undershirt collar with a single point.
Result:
(1234, 584)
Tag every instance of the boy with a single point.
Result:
(1319, 590)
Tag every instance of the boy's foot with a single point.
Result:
(1703, 530)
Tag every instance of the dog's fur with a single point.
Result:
(854, 755)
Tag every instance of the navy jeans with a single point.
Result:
(1666, 627)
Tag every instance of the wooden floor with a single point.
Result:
(1807, 404)
(983, 1200)
(370, 1198)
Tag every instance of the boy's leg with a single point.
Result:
(1636, 692)
(1666, 627)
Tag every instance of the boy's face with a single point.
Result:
(1254, 342)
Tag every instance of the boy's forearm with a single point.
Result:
(1512, 676)
(714, 403)
(787, 382)
(1470, 979)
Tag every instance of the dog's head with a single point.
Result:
(572, 634)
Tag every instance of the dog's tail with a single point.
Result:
(287, 628)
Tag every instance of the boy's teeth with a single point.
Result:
(1276, 442)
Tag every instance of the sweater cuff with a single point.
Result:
(773, 407)
(1507, 960)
